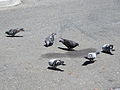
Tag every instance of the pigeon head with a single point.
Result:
(22, 29)
(61, 40)
(111, 47)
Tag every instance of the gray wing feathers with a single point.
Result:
(69, 43)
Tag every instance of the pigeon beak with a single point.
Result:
(60, 41)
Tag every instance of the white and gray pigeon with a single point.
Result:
(68, 43)
(92, 55)
(108, 48)
(53, 63)
(49, 40)
(13, 32)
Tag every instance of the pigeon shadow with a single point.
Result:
(107, 53)
(90, 59)
(88, 62)
(55, 69)
(73, 54)
(14, 36)
(66, 49)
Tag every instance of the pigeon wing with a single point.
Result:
(70, 43)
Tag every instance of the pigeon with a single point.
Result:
(53, 63)
(12, 32)
(92, 55)
(69, 43)
(107, 48)
(49, 40)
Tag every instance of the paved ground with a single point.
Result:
(24, 60)
(8, 3)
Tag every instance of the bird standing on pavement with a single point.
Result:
(49, 40)
(107, 48)
(55, 62)
(92, 56)
(13, 32)
(69, 43)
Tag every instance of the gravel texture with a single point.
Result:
(91, 23)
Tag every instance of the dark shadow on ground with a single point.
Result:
(66, 49)
(14, 36)
(55, 69)
(71, 54)
(87, 62)
(107, 53)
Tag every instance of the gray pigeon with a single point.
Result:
(69, 43)
(49, 40)
(55, 62)
(108, 48)
(12, 32)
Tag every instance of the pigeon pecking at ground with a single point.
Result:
(49, 40)
(68, 43)
(92, 56)
(53, 63)
(13, 32)
(107, 48)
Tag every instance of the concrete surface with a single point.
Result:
(91, 23)
(8, 3)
